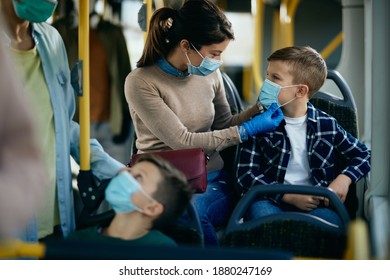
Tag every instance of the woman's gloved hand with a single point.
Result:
(265, 122)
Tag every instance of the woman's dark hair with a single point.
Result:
(199, 21)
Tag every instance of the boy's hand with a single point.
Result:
(303, 202)
(340, 186)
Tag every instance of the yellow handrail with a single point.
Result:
(18, 249)
(329, 49)
(149, 11)
(258, 48)
(283, 35)
(84, 117)
(284, 30)
(105, 9)
(276, 43)
(358, 241)
(247, 83)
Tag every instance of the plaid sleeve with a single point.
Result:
(249, 170)
(357, 153)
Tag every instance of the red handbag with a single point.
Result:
(192, 162)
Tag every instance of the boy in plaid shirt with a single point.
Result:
(301, 151)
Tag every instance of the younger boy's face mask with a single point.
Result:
(119, 191)
(207, 66)
(269, 94)
(34, 10)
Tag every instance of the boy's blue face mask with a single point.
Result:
(119, 191)
(34, 10)
(207, 66)
(269, 94)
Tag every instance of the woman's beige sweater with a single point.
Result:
(182, 112)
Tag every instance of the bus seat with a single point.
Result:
(302, 234)
(344, 109)
(345, 112)
(232, 95)
(87, 219)
(89, 216)
(187, 230)
(105, 250)
(230, 154)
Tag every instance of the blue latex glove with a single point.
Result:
(265, 122)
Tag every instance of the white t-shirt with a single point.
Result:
(298, 169)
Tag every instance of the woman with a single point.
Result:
(177, 99)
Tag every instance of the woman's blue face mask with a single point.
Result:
(269, 94)
(34, 10)
(207, 66)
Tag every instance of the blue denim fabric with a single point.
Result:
(266, 207)
(168, 68)
(214, 206)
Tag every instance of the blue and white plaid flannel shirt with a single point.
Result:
(264, 158)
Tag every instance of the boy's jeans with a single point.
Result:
(266, 207)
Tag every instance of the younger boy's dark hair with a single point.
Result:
(173, 191)
(308, 67)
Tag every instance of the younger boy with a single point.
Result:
(302, 149)
(147, 196)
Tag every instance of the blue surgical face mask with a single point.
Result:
(119, 191)
(269, 94)
(34, 10)
(207, 66)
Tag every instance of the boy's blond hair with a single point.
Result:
(307, 66)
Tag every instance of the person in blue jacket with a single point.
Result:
(40, 57)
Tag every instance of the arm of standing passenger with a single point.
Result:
(102, 165)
